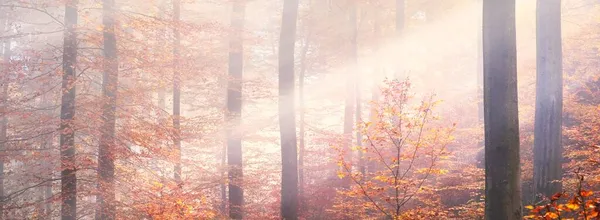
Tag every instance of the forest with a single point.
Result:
(290, 109)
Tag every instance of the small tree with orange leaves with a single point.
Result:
(403, 147)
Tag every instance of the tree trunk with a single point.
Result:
(177, 90)
(301, 141)
(4, 80)
(479, 70)
(106, 164)
(502, 165)
(4, 119)
(67, 112)
(234, 108)
(287, 123)
(350, 84)
(547, 147)
(161, 93)
(357, 79)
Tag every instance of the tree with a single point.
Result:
(4, 80)
(409, 155)
(502, 165)
(547, 150)
(287, 123)
(350, 80)
(67, 113)
(106, 164)
(234, 108)
(177, 89)
(302, 115)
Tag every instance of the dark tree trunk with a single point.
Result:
(234, 108)
(106, 164)
(287, 123)
(177, 90)
(547, 148)
(502, 165)
(67, 113)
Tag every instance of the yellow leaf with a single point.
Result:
(572, 206)
(551, 215)
(340, 174)
(530, 207)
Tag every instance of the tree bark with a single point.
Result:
(234, 108)
(301, 127)
(547, 148)
(106, 164)
(350, 84)
(479, 69)
(67, 113)
(287, 124)
(4, 81)
(177, 90)
(502, 165)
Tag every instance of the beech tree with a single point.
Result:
(177, 88)
(67, 113)
(350, 80)
(287, 123)
(106, 163)
(234, 107)
(4, 80)
(547, 152)
(502, 165)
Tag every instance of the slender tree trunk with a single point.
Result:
(177, 89)
(357, 80)
(547, 147)
(4, 81)
(301, 127)
(502, 165)
(350, 84)
(67, 113)
(479, 70)
(106, 164)
(234, 109)
(4, 119)
(287, 123)
(161, 93)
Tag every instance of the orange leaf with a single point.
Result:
(585, 193)
(551, 215)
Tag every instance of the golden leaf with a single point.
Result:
(551, 215)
